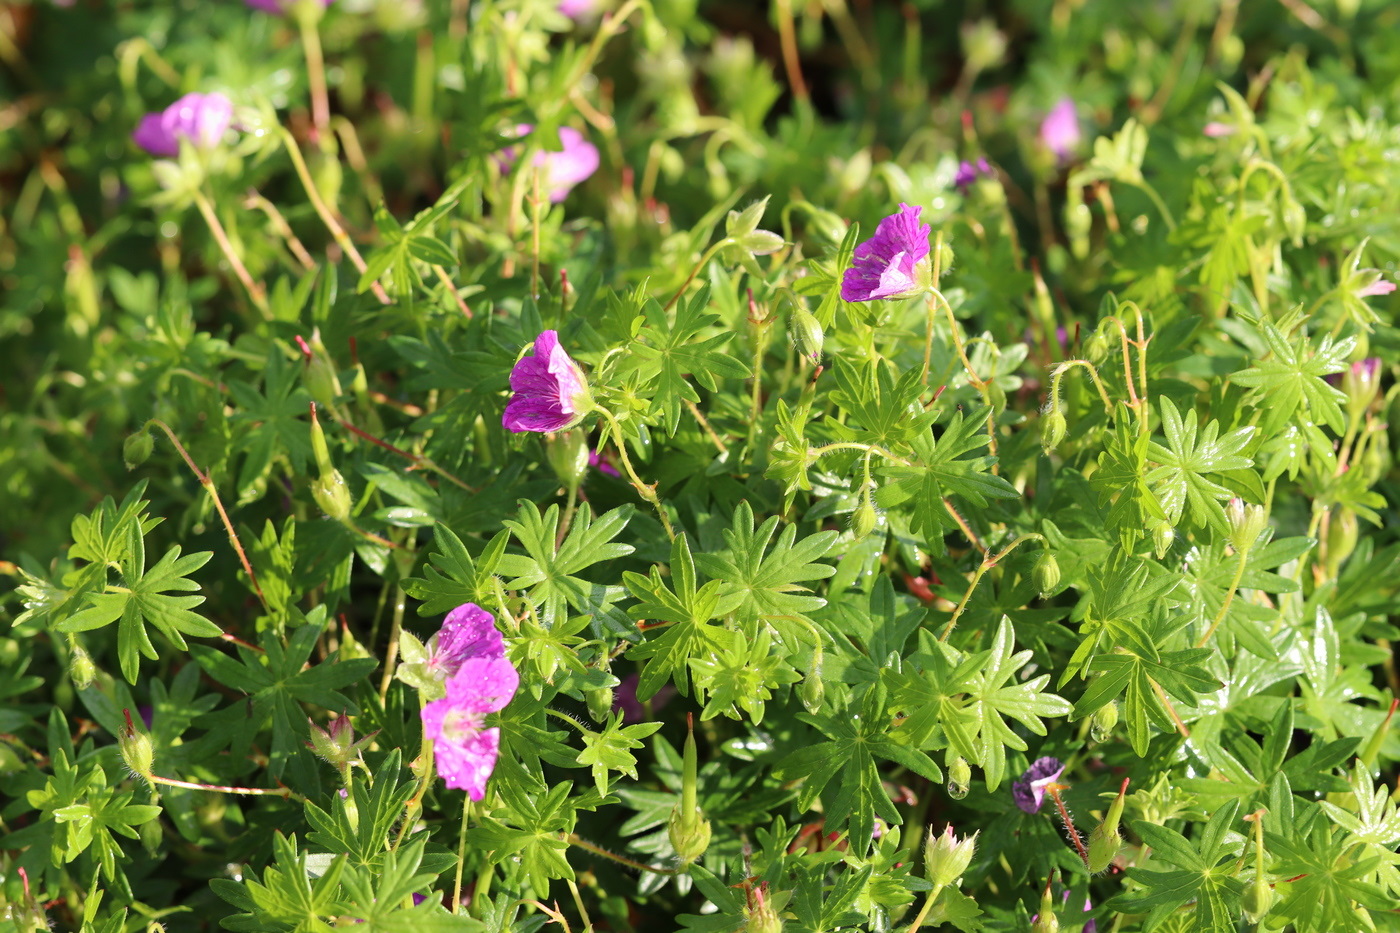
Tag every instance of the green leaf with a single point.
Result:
(758, 583)
(1190, 455)
(452, 577)
(1292, 376)
(1205, 874)
(550, 571)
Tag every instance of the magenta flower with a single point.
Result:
(464, 749)
(1215, 129)
(277, 7)
(574, 9)
(893, 263)
(1059, 131)
(596, 461)
(1029, 792)
(1378, 287)
(574, 162)
(468, 632)
(968, 173)
(200, 118)
(550, 391)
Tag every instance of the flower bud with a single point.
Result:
(1341, 538)
(1046, 921)
(946, 857)
(760, 914)
(137, 448)
(328, 489)
(1104, 841)
(983, 44)
(1246, 523)
(136, 749)
(959, 778)
(1096, 347)
(1163, 534)
(318, 372)
(864, 517)
(81, 669)
(945, 257)
(741, 223)
(813, 689)
(1361, 382)
(1105, 719)
(1258, 899)
(688, 830)
(567, 452)
(761, 242)
(806, 331)
(599, 701)
(1046, 573)
(1052, 429)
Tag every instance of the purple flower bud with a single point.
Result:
(968, 173)
(893, 263)
(1059, 131)
(200, 118)
(574, 162)
(1029, 792)
(550, 391)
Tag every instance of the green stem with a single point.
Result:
(255, 291)
(923, 911)
(577, 840)
(987, 564)
(1156, 199)
(315, 72)
(851, 445)
(461, 857)
(709, 254)
(1229, 598)
(646, 492)
(1093, 374)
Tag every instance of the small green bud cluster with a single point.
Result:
(946, 857)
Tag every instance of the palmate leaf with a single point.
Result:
(1204, 873)
(1325, 879)
(273, 421)
(668, 351)
(1121, 480)
(550, 571)
(855, 740)
(452, 577)
(882, 410)
(1292, 376)
(758, 584)
(1189, 455)
(143, 600)
(943, 468)
(376, 898)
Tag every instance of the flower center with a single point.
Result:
(460, 725)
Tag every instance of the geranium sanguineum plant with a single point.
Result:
(1059, 131)
(200, 119)
(575, 161)
(464, 749)
(468, 632)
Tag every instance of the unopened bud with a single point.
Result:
(599, 702)
(318, 372)
(1046, 921)
(945, 257)
(1096, 347)
(946, 857)
(137, 448)
(996, 396)
(328, 488)
(1360, 383)
(741, 223)
(567, 452)
(1052, 429)
(1246, 523)
(689, 831)
(136, 749)
(1105, 719)
(1104, 841)
(81, 670)
(1046, 573)
(1163, 534)
(813, 689)
(959, 778)
(1257, 900)
(760, 915)
(1342, 534)
(864, 517)
(806, 331)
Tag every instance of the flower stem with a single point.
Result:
(646, 492)
(285, 793)
(255, 291)
(922, 915)
(1229, 598)
(461, 856)
(1066, 366)
(987, 564)
(709, 254)
(1054, 791)
(392, 652)
(315, 73)
(577, 840)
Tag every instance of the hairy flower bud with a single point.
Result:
(1246, 523)
(946, 857)
(80, 668)
(137, 448)
(1046, 573)
(1096, 348)
(959, 778)
(761, 915)
(567, 452)
(864, 517)
(136, 749)
(1258, 898)
(806, 331)
(813, 689)
(1046, 921)
(1105, 719)
(599, 701)
(1052, 428)
(1342, 534)
(1163, 534)
(1104, 841)
(328, 489)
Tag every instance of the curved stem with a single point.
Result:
(646, 492)
(709, 254)
(851, 445)
(255, 291)
(987, 564)
(1066, 366)
(922, 915)
(315, 73)
(285, 793)
(1229, 598)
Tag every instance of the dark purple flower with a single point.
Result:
(1029, 792)
(550, 391)
(575, 161)
(893, 263)
(625, 699)
(464, 749)
(596, 461)
(968, 173)
(200, 118)
(468, 632)
(277, 7)
(1059, 131)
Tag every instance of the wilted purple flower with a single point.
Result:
(550, 391)
(1378, 287)
(1029, 792)
(464, 749)
(893, 263)
(968, 173)
(576, 161)
(1059, 131)
(200, 118)
(468, 632)
(277, 7)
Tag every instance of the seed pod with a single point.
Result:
(1096, 348)
(946, 857)
(806, 331)
(1105, 719)
(136, 749)
(81, 669)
